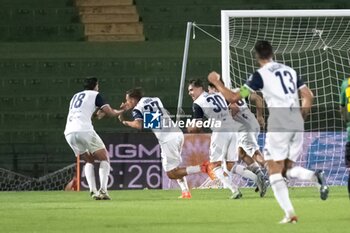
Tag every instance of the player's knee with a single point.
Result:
(230, 165)
(101, 155)
(275, 167)
(87, 158)
(241, 153)
(171, 175)
(258, 156)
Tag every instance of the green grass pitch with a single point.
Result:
(160, 211)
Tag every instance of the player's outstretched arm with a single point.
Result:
(107, 110)
(230, 96)
(100, 114)
(259, 103)
(137, 124)
(307, 98)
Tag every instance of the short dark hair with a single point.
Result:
(213, 86)
(90, 83)
(196, 83)
(263, 49)
(135, 93)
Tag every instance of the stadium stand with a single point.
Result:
(110, 20)
(39, 20)
(43, 60)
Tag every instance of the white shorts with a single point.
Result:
(171, 152)
(283, 145)
(223, 147)
(82, 142)
(248, 141)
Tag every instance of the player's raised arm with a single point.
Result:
(230, 96)
(259, 103)
(307, 98)
(105, 109)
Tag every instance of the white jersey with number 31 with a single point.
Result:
(245, 115)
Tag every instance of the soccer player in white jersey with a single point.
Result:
(249, 126)
(170, 139)
(223, 139)
(83, 139)
(281, 88)
(248, 129)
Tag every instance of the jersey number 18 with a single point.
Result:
(77, 100)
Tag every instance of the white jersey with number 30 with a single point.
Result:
(214, 107)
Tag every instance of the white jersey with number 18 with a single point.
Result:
(82, 105)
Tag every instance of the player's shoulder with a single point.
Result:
(90, 92)
(142, 102)
(147, 100)
(201, 98)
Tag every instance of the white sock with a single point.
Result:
(219, 173)
(183, 184)
(301, 173)
(104, 172)
(229, 173)
(193, 169)
(242, 171)
(280, 190)
(90, 176)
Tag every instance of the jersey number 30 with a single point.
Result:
(77, 100)
(218, 102)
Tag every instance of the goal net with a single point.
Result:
(316, 44)
(11, 181)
